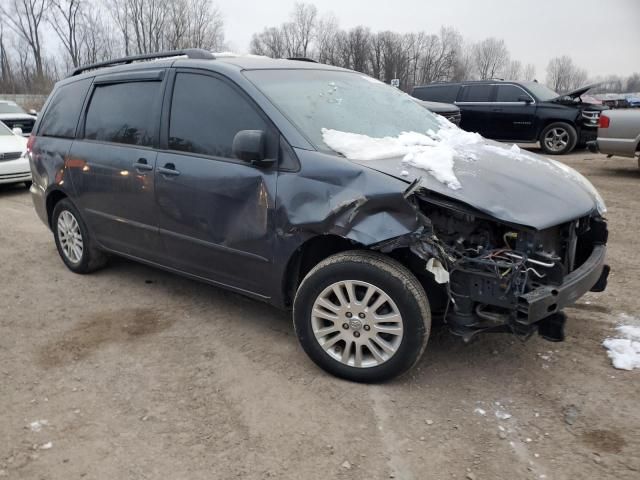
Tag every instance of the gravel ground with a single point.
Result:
(140, 374)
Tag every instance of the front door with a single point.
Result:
(112, 164)
(513, 117)
(215, 212)
(473, 101)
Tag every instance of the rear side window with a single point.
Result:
(510, 93)
(124, 113)
(61, 117)
(476, 93)
(437, 93)
(206, 114)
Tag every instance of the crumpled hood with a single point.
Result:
(579, 91)
(507, 183)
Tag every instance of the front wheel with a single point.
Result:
(362, 316)
(558, 138)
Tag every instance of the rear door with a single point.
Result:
(215, 211)
(474, 102)
(114, 159)
(513, 117)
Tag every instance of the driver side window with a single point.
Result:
(206, 113)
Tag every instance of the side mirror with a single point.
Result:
(250, 146)
(17, 131)
(525, 98)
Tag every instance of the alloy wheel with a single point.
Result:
(70, 236)
(357, 323)
(556, 139)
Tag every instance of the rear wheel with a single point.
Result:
(362, 316)
(558, 138)
(72, 238)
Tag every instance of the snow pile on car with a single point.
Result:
(433, 152)
(624, 352)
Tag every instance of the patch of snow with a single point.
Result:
(404, 173)
(371, 79)
(624, 352)
(433, 152)
(46, 446)
(37, 425)
(480, 411)
(502, 415)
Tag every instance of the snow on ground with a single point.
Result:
(624, 352)
(432, 152)
(37, 425)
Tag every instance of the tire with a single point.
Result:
(386, 281)
(27, 184)
(558, 138)
(68, 226)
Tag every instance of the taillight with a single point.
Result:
(604, 121)
(30, 142)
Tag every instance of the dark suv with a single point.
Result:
(520, 112)
(314, 188)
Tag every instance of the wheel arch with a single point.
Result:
(53, 198)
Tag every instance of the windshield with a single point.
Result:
(345, 101)
(10, 107)
(541, 92)
(4, 130)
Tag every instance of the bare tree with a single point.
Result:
(529, 73)
(65, 20)
(25, 18)
(633, 83)
(302, 27)
(325, 38)
(513, 70)
(490, 57)
(194, 23)
(270, 42)
(563, 75)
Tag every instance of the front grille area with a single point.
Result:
(25, 124)
(4, 157)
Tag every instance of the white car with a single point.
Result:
(13, 116)
(14, 163)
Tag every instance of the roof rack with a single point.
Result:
(302, 59)
(195, 53)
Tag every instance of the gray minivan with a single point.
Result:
(318, 189)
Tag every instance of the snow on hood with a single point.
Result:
(434, 152)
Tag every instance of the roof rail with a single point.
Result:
(302, 59)
(195, 53)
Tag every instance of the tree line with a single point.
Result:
(88, 31)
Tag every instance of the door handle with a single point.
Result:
(142, 164)
(169, 169)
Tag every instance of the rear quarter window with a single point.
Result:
(61, 117)
(437, 93)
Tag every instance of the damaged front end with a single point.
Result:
(502, 277)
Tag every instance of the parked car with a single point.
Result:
(319, 189)
(14, 164)
(520, 112)
(618, 134)
(13, 116)
(447, 110)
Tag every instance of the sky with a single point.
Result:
(602, 36)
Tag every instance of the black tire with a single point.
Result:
(394, 280)
(27, 184)
(565, 144)
(91, 258)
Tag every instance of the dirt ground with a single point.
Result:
(140, 374)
